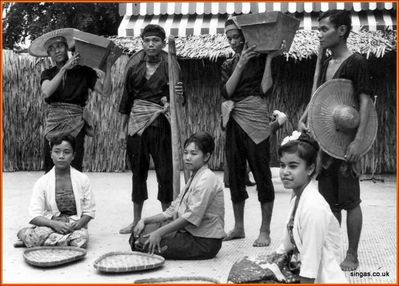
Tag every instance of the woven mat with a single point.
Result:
(47, 256)
(178, 280)
(128, 262)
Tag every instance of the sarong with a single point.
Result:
(252, 116)
(268, 269)
(46, 236)
(64, 118)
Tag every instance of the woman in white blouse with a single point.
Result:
(62, 202)
(312, 233)
(193, 226)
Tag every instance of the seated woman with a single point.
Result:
(193, 226)
(62, 203)
(312, 232)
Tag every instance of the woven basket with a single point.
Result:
(179, 280)
(127, 262)
(48, 256)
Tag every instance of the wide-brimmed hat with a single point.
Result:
(38, 46)
(334, 118)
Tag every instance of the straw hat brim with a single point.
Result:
(37, 48)
(321, 123)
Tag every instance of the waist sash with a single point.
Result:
(143, 114)
(252, 116)
(64, 118)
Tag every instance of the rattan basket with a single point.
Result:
(48, 256)
(127, 262)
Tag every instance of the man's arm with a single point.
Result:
(302, 123)
(105, 87)
(50, 86)
(234, 79)
(124, 129)
(267, 79)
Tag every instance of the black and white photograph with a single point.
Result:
(199, 142)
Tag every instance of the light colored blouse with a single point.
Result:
(43, 201)
(317, 236)
(201, 203)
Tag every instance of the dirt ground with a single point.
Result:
(377, 251)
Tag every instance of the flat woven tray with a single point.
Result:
(48, 256)
(178, 280)
(127, 261)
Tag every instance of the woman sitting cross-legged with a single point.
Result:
(193, 226)
(62, 203)
(312, 232)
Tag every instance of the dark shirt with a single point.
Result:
(74, 88)
(250, 80)
(354, 68)
(138, 87)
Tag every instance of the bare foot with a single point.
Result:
(235, 234)
(263, 240)
(128, 229)
(350, 262)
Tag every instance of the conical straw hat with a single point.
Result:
(334, 118)
(37, 47)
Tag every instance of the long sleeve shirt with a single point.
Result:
(43, 201)
(201, 203)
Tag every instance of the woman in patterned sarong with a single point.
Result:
(62, 202)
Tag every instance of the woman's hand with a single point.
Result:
(72, 62)
(61, 227)
(246, 55)
(153, 242)
(138, 229)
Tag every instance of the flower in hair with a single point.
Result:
(294, 136)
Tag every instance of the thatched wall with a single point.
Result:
(23, 110)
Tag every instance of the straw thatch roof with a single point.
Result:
(305, 44)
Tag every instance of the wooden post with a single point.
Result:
(173, 68)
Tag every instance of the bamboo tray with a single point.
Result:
(179, 280)
(127, 262)
(48, 256)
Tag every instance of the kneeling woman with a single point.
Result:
(193, 226)
(62, 203)
(312, 232)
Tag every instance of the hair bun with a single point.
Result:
(305, 137)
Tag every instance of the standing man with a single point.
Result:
(66, 89)
(338, 179)
(145, 121)
(247, 80)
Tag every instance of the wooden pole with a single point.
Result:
(173, 69)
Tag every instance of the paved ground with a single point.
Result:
(377, 251)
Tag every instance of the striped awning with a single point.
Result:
(200, 8)
(183, 19)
